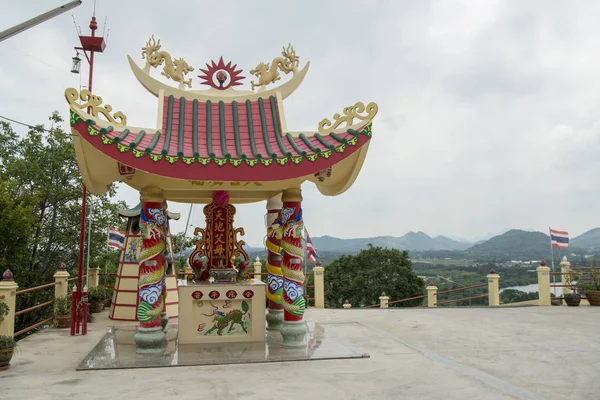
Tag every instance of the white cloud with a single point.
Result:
(488, 110)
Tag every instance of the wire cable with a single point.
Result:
(38, 127)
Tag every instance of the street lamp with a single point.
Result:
(89, 46)
(76, 64)
(38, 20)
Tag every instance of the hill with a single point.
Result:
(589, 240)
(410, 241)
(517, 244)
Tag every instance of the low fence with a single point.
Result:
(433, 293)
(567, 275)
(9, 293)
(572, 278)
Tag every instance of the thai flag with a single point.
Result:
(559, 239)
(310, 250)
(116, 238)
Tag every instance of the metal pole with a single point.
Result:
(187, 223)
(552, 253)
(10, 32)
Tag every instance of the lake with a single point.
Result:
(534, 288)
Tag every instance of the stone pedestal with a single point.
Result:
(8, 289)
(383, 300)
(319, 287)
(257, 268)
(61, 277)
(432, 295)
(493, 289)
(150, 340)
(565, 269)
(544, 285)
(94, 277)
(274, 319)
(294, 333)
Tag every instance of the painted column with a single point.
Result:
(319, 287)
(565, 269)
(293, 329)
(493, 288)
(8, 289)
(61, 277)
(432, 295)
(153, 227)
(274, 260)
(544, 284)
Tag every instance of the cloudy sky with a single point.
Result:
(489, 110)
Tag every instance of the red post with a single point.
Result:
(84, 311)
(93, 27)
(74, 316)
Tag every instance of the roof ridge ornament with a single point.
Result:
(175, 69)
(94, 102)
(270, 74)
(350, 113)
(226, 75)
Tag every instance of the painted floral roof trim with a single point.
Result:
(274, 149)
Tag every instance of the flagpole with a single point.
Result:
(552, 253)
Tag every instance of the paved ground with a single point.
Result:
(460, 353)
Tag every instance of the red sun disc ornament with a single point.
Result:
(221, 76)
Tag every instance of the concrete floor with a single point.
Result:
(458, 353)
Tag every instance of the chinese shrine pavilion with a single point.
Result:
(219, 146)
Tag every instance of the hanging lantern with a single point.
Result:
(76, 64)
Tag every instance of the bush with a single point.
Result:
(6, 341)
(62, 306)
(3, 309)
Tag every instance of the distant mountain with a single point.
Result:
(589, 240)
(517, 244)
(410, 241)
(452, 244)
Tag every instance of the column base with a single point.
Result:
(164, 320)
(294, 333)
(274, 319)
(150, 340)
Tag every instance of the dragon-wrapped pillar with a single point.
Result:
(150, 336)
(274, 259)
(293, 329)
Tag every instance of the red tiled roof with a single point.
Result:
(222, 141)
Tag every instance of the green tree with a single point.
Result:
(40, 199)
(180, 245)
(17, 213)
(361, 278)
